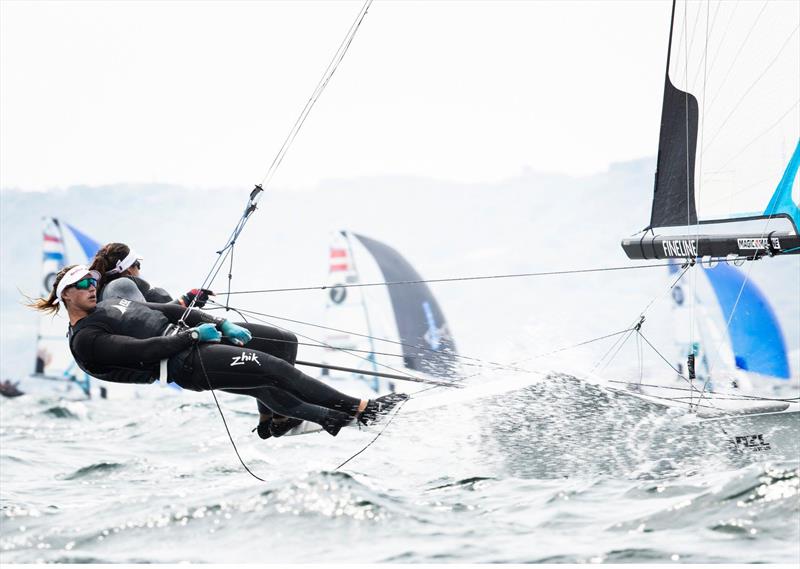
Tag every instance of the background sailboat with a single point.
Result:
(367, 322)
(729, 152)
(399, 329)
(55, 371)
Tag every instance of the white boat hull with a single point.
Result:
(771, 435)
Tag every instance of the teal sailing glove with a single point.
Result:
(235, 333)
(205, 333)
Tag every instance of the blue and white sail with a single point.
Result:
(369, 323)
(732, 330)
(729, 146)
(62, 245)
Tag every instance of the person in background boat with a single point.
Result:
(124, 341)
(120, 267)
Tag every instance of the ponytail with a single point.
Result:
(105, 260)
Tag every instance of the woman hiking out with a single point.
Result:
(120, 267)
(125, 341)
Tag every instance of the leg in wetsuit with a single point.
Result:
(279, 343)
(272, 381)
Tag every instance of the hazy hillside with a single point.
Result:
(533, 222)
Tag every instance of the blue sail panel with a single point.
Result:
(89, 245)
(756, 338)
(781, 201)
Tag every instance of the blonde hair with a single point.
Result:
(48, 304)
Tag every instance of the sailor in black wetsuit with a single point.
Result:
(120, 268)
(125, 341)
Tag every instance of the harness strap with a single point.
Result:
(163, 372)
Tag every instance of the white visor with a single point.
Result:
(72, 276)
(125, 263)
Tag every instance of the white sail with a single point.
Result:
(741, 62)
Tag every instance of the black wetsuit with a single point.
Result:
(123, 341)
(274, 341)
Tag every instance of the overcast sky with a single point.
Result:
(203, 93)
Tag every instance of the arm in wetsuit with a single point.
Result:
(174, 312)
(99, 347)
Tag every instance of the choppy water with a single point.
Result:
(551, 473)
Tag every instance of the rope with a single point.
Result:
(738, 396)
(496, 365)
(370, 443)
(222, 416)
(457, 279)
(323, 82)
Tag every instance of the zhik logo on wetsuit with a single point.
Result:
(123, 305)
(244, 358)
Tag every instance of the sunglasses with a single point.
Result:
(85, 284)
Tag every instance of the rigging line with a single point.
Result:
(374, 352)
(479, 362)
(329, 71)
(466, 377)
(514, 363)
(791, 108)
(750, 88)
(614, 355)
(723, 397)
(705, 53)
(668, 399)
(741, 396)
(639, 359)
(724, 34)
(700, 180)
(252, 204)
(222, 415)
(692, 388)
(342, 350)
(230, 279)
(738, 53)
(370, 443)
(323, 82)
(410, 346)
(456, 279)
(692, 35)
(568, 347)
(639, 318)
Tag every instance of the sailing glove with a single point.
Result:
(206, 333)
(201, 294)
(236, 334)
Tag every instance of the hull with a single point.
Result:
(769, 435)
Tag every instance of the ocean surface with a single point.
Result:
(554, 472)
